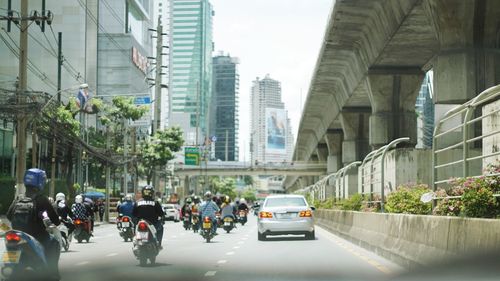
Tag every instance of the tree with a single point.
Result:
(226, 186)
(157, 151)
(249, 194)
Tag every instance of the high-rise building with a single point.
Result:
(162, 10)
(105, 44)
(224, 118)
(270, 130)
(424, 108)
(190, 67)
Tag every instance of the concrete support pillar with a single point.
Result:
(333, 139)
(393, 98)
(469, 59)
(322, 152)
(355, 143)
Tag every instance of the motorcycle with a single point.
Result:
(242, 217)
(228, 223)
(186, 222)
(145, 243)
(206, 229)
(82, 230)
(59, 232)
(218, 220)
(195, 222)
(24, 258)
(126, 228)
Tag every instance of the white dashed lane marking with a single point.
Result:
(222, 261)
(210, 273)
(111, 255)
(230, 253)
(82, 263)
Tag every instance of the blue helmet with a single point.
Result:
(35, 178)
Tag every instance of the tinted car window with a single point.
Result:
(282, 202)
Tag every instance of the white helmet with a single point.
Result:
(60, 197)
(128, 197)
(243, 201)
(79, 199)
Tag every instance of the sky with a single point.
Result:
(281, 38)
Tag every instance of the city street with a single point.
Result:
(235, 256)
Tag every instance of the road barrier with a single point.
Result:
(413, 240)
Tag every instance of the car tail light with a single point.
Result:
(207, 219)
(305, 214)
(12, 237)
(125, 219)
(265, 215)
(142, 226)
(77, 222)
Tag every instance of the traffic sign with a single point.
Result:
(191, 156)
(142, 100)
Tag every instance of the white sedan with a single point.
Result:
(286, 214)
(171, 212)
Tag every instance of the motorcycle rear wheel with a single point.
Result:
(143, 261)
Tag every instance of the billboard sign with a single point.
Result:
(191, 155)
(275, 131)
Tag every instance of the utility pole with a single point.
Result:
(108, 172)
(22, 86)
(227, 146)
(125, 155)
(158, 87)
(54, 142)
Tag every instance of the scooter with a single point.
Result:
(126, 228)
(24, 258)
(206, 229)
(195, 222)
(145, 245)
(242, 217)
(228, 223)
(82, 230)
(66, 237)
(186, 222)
(59, 232)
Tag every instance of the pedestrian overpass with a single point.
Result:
(213, 168)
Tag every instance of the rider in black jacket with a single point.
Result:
(150, 210)
(34, 180)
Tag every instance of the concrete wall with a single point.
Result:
(412, 240)
(490, 124)
(402, 166)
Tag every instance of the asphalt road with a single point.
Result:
(234, 256)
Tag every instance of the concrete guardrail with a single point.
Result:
(413, 240)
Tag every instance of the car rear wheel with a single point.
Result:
(261, 237)
(311, 235)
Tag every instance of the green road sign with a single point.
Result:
(192, 156)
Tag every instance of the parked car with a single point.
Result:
(284, 215)
(172, 212)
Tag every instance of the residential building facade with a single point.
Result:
(270, 128)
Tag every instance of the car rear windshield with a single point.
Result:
(285, 202)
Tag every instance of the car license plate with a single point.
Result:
(227, 223)
(285, 216)
(207, 225)
(125, 224)
(142, 235)
(11, 257)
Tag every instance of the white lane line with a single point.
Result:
(82, 263)
(230, 253)
(241, 242)
(210, 273)
(236, 247)
(111, 255)
(222, 261)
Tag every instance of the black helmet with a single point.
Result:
(148, 192)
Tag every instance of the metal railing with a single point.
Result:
(446, 144)
(372, 157)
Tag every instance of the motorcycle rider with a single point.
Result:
(228, 209)
(243, 205)
(208, 209)
(80, 211)
(34, 180)
(150, 210)
(89, 205)
(126, 207)
(186, 208)
(64, 211)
